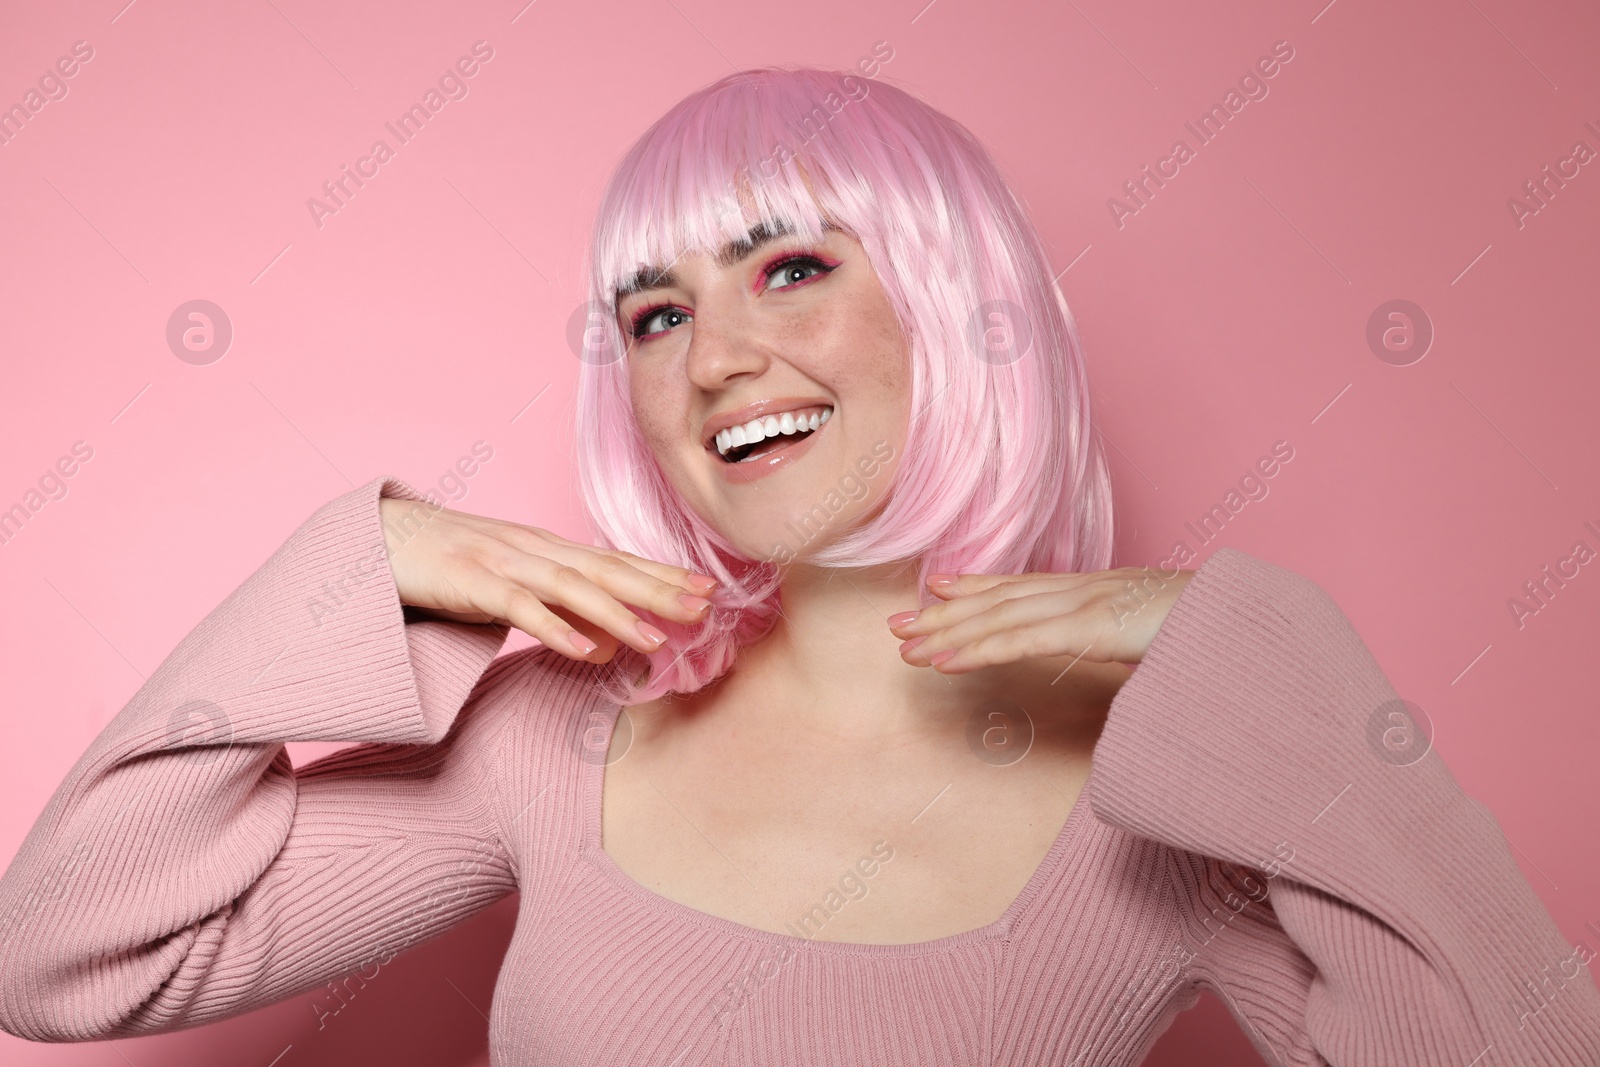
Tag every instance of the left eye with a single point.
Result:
(789, 268)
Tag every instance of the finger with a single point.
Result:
(979, 619)
(664, 571)
(527, 611)
(1041, 640)
(605, 645)
(658, 587)
(527, 614)
(643, 584)
(540, 541)
(690, 579)
(554, 583)
(973, 583)
(966, 604)
(966, 584)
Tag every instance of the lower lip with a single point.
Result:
(741, 473)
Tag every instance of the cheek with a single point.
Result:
(891, 369)
(648, 411)
(892, 365)
(654, 437)
(868, 347)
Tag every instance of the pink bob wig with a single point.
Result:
(1001, 471)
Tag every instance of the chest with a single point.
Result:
(601, 970)
(888, 844)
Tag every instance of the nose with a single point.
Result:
(724, 345)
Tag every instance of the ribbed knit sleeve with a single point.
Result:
(1344, 897)
(185, 871)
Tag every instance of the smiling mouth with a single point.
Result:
(777, 434)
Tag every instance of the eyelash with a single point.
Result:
(786, 260)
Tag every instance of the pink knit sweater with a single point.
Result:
(1244, 831)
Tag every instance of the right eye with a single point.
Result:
(643, 320)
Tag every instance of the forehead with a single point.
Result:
(734, 251)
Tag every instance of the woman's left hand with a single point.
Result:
(986, 619)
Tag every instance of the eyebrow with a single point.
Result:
(735, 251)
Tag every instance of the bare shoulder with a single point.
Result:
(1067, 698)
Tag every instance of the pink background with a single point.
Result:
(1230, 312)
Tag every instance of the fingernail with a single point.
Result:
(902, 618)
(907, 646)
(941, 579)
(704, 583)
(939, 657)
(651, 634)
(580, 642)
(692, 602)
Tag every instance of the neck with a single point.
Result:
(830, 666)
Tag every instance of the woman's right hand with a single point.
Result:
(471, 568)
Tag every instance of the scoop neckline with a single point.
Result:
(593, 778)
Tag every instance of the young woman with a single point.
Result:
(801, 772)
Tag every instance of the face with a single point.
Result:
(724, 347)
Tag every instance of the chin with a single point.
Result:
(796, 539)
(781, 545)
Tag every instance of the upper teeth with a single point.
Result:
(756, 430)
